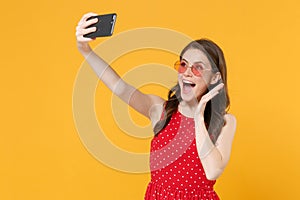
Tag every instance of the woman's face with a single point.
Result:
(194, 86)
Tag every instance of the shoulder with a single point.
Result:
(230, 119)
(229, 126)
(156, 109)
(228, 130)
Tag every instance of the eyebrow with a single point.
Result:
(195, 62)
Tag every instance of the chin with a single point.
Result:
(188, 97)
(192, 96)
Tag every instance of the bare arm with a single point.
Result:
(143, 103)
(214, 157)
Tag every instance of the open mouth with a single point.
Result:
(187, 86)
(188, 83)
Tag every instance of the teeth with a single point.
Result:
(187, 82)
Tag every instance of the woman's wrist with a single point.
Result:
(198, 118)
(84, 49)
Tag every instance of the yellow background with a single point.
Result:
(41, 154)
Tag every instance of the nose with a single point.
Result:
(188, 72)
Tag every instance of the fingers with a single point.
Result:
(81, 32)
(212, 93)
(86, 23)
(206, 98)
(81, 28)
(85, 17)
(217, 88)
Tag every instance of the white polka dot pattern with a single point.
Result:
(176, 170)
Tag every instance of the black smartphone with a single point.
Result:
(104, 26)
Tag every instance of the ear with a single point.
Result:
(215, 78)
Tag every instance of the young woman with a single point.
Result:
(193, 131)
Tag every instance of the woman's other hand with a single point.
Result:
(199, 113)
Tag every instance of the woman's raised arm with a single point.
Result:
(141, 102)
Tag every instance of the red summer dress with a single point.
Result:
(176, 170)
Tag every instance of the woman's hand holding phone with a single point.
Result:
(91, 26)
(83, 29)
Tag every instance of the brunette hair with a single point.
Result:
(215, 108)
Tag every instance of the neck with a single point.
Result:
(187, 108)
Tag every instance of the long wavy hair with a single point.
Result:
(215, 108)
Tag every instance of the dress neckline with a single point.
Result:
(189, 117)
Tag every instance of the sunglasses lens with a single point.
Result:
(196, 72)
(179, 67)
(182, 67)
